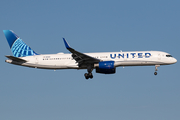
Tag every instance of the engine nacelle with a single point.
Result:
(106, 67)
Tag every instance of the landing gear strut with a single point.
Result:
(89, 74)
(156, 66)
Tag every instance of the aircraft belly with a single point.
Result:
(44, 66)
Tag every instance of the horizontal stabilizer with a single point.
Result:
(16, 59)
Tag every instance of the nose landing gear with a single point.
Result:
(156, 66)
(155, 73)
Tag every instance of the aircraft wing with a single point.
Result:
(81, 58)
(15, 58)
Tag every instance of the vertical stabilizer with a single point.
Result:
(17, 46)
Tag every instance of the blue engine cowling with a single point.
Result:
(106, 67)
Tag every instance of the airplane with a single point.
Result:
(102, 62)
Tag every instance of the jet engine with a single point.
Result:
(105, 67)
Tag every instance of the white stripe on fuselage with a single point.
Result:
(65, 61)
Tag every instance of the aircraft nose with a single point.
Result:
(175, 60)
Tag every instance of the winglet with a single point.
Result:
(66, 44)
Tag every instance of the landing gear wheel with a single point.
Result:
(155, 73)
(86, 76)
(90, 75)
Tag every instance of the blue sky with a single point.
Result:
(133, 93)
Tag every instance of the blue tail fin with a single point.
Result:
(17, 46)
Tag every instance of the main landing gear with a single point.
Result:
(156, 66)
(89, 74)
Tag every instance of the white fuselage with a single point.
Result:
(65, 61)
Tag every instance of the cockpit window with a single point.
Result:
(169, 56)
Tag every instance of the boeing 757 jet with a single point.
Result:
(102, 62)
